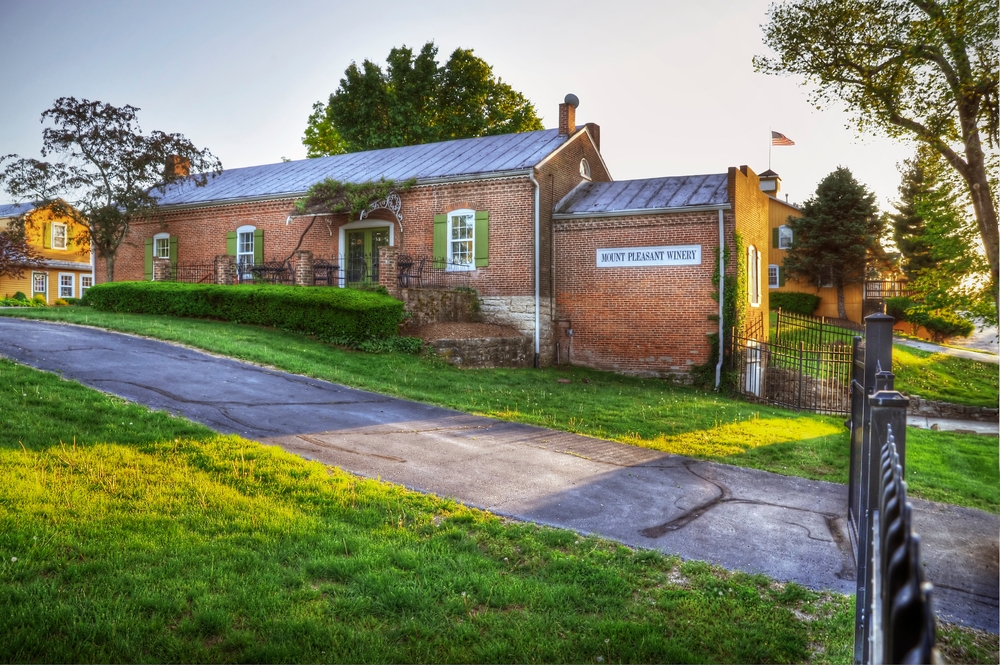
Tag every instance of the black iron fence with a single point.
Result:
(798, 376)
(790, 329)
(894, 617)
(267, 272)
(195, 273)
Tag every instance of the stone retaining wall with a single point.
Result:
(486, 351)
(931, 409)
(439, 306)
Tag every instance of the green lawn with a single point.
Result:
(945, 378)
(132, 536)
(958, 468)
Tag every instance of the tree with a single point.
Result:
(937, 240)
(110, 173)
(415, 100)
(923, 69)
(16, 255)
(836, 236)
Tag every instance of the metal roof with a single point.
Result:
(448, 159)
(15, 209)
(649, 194)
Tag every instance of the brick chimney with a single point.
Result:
(177, 166)
(567, 114)
(595, 133)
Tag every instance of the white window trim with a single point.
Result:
(753, 277)
(246, 228)
(52, 240)
(83, 289)
(777, 276)
(161, 236)
(450, 265)
(72, 285)
(791, 236)
(585, 169)
(46, 291)
(353, 226)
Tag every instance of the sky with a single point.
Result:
(670, 83)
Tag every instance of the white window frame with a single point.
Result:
(773, 276)
(452, 266)
(156, 244)
(45, 279)
(84, 287)
(785, 237)
(71, 285)
(245, 229)
(585, 168)
(753, 276)
(64, 238)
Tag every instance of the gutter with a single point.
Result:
(538, 293)
(722, 297)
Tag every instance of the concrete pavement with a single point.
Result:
(788, 528)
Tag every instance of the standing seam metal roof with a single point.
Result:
(648, 194)
(463, 157)
(15, 209)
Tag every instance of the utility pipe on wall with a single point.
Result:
(538, 292)
(722, 297)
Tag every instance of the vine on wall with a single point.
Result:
(734, 309)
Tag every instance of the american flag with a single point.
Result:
(780, 139)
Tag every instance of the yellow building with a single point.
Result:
(67, 271)
(781, 239)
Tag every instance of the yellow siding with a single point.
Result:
(77, 251)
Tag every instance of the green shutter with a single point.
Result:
(173, 256)
(440, 240)
(258, 246)
(774, 237)
(148, 265)
(781, 276)
(482, 238)
(231, 243)
(47, 235)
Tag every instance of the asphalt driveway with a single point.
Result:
(787, 528)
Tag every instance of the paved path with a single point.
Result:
(948, 350)
(787, 528)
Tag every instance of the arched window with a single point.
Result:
(585, 168)
(753, 276)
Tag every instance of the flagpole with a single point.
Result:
(770, 142)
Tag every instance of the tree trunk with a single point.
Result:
(109, 264)
(841, 309)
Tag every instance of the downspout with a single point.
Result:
(722, 297)
(538, 292)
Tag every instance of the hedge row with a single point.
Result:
(330, 314)
(794, 301)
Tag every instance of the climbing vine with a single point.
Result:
(334, 196)
(734, 310)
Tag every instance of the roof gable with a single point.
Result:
(648, 194)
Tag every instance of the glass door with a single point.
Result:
(362, 254)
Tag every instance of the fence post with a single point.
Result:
(802, 348)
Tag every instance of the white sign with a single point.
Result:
(669, 255)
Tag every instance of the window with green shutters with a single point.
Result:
(462, 240)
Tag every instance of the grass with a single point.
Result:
(936, 376)
(130, 535)
(958, 468)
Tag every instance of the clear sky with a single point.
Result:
(670, 83)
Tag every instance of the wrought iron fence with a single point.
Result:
(268, 272)
(800, 376)
(434, 273)
(194, 273)
(894, 617)
(882, 289)
(790, 329)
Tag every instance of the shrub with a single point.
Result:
(20, 296)
(896, 307)
(333, 315)
(73, 301)
(39, 299)
(60, 302)
(795, 302)
(941, 324)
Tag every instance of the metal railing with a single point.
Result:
(894, 618)
(790, 328)
(194, 273)
(882, 289)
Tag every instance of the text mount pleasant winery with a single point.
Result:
(671, 255)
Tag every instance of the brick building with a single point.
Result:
(521, 218)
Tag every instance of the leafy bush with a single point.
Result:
(39, 299)
(17, 302)
(795, 302)
(60, 302)
(73, 301)
(20, 296)
(940, 323)
(896, 307)
(332, 315)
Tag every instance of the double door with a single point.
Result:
(362, 254)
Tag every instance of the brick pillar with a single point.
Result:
(302, 268)
(161, 270)
(225, 269)
(387, 271)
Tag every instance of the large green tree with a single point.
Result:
(836, 236)
(416, 100)
(110, 173)
(937, 239)
(914, 69)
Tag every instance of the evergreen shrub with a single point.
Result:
(341, 316)
(794, 302)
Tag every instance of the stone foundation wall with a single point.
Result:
(486, 352)
(931, 409)
(519, 312)
(439, 306)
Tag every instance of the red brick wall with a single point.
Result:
(641, 320)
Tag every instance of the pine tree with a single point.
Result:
(836, 235)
